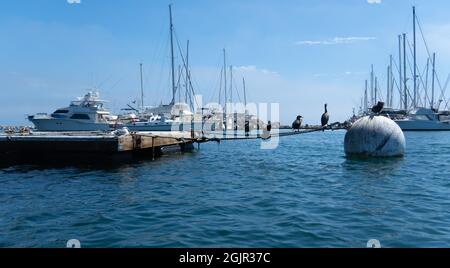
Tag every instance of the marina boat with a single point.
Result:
(424, 119)
(84, 114)
(157, 123)
(418, 109)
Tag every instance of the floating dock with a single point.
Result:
(91, 146)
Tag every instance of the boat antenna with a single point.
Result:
(172, 57)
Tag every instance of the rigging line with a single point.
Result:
(429, 56)
(159, 84)
(115, 84)
(398, 70)
(221, 84)
(446, 84)
(104, 81)
(398, 86)
(213, 93)
(156, 55)
(237, 92)
(186, 67)
(417, 69)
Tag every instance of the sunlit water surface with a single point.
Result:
(303, 194)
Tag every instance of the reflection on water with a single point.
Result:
(372, 167)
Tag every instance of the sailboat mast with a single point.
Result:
(245, 94)
(225, 79)
(415, 63)
(187, 71)
(388, 90)
(400, 80)
(172, 57)
(404, 74)
(432, 80)
(365, 97)
(371, 86)
(426, 83)
(391, 82)
(231, 83)
(142, 89)
(376, 90)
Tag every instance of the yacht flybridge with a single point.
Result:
(83, 114)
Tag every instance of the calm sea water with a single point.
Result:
(303, 194)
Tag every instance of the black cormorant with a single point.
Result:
(297, 123)
(325, 118)
(269, 126)
(378, 108)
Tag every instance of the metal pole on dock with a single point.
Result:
(153, 148)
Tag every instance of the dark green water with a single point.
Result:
(303, 194)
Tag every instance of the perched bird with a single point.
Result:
(325, 118)
(269, 126)
(378, 108)
(297, 123)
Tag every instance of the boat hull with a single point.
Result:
(422, 125)
(53, 124)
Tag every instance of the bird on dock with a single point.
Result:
(325, 118)
(378, 108)
(247, 128)
(269, 126)
(297, 123)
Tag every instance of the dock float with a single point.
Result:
(90, 145)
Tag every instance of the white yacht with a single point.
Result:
(84, 114)
(175, 117)
(424, 119)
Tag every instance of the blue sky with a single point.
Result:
(300, 54)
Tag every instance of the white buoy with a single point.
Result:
(375, 136)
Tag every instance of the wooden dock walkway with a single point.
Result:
(90, 145)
